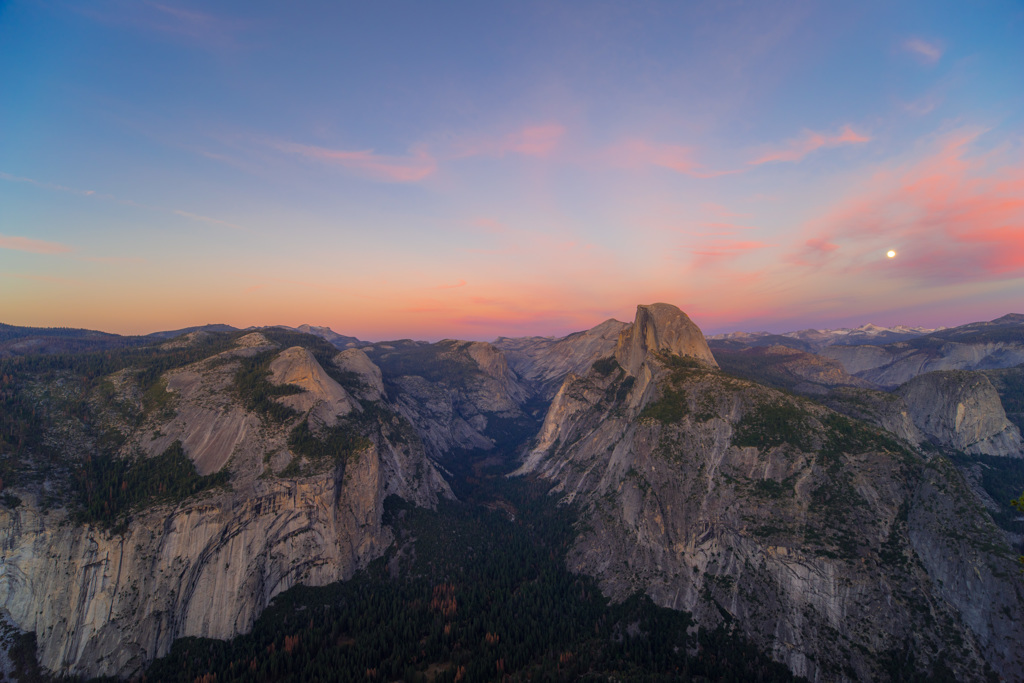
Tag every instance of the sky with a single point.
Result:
(474, 169)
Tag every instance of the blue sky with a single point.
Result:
(475, 169)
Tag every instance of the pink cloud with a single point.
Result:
(32, 246)
(798, 148)
(717, 251)
(408, 169)
(924, 50)
(727, 228)
(951, 217)
(636, 152)
(534, 141)
(814, 252)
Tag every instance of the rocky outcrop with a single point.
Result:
(880, 408)
(206, 416)
(831, 545)
(458, 395)
(961, 410)
(105, 602)
(975, 346)
(806, 530)
(890, 366)
(965, 557)
(787, 368)
(545, 361)
(371, 382)
(814, 340)
(321, 395)
(340, 341)
(660, 328)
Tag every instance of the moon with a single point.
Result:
(891, 253)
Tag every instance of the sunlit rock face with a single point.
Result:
(660, 328)
(321, 394)
(962, 410)
(371, 380)
(107, 601)
(824, 540)
(832, 545)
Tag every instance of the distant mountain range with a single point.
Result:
(812, 340)
(15, 340)
(18, 341)
(836, 502)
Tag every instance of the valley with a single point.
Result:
(628, 502)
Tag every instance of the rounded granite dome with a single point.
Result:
(660, 327)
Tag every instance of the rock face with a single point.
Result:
(370, 379)
(787, 368)
(321, 394)
(961, 410)
(833, 546)
(880, 408)
(207, 418)
(105, 602)
(976, 346)
(340, 341)
(814, 340)
(893, 365)
(660, 328)
(455, 393)
(545, 361)
(812, 533)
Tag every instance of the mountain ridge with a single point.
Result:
(695, 486)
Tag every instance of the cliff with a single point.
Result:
(818, 536)
(458, 395)
(961, 410)
(106, 598)
(545, 361)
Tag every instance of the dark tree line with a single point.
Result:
(470, 593)
(110, 487)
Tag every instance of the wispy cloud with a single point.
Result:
(534, 141)
(638, 153)
(811, 141)
(32, 246)
(46, 186)
(174, 21)
(408, 169)
(207, 219)
(107, 197)
(714, 252)
(928, 52)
